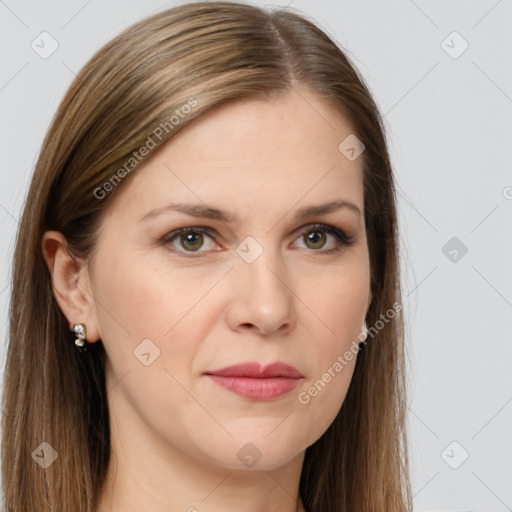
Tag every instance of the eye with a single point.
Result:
(191, 239)
(316, 235)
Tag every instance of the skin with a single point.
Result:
(175, 433)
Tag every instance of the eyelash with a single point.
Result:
(343, 240)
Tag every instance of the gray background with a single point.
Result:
(449, 119)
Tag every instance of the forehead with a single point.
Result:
(253, 153)
(299, 122)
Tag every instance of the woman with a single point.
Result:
(205, 311)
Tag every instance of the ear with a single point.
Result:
(70, 284)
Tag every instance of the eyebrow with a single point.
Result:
(206, 212)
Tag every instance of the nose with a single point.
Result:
(261, 297)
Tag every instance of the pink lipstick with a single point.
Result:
(251, 381)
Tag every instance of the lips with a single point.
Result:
(251, 381)
(255, 371)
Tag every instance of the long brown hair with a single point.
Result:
(205, 54)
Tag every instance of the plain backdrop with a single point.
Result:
(441, 73)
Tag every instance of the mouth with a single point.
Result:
(251, 381)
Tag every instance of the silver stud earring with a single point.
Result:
(80, 332)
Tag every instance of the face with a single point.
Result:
(256, 283)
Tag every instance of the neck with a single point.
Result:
(139, 481)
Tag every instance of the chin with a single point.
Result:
(255, 455)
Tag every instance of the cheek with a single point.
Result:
(151, 326)
(333, 321)
(158, 309)
(144, 300)
(321, 398)
(337, 306)
(331, 364)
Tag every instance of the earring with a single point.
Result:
(80, 332)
